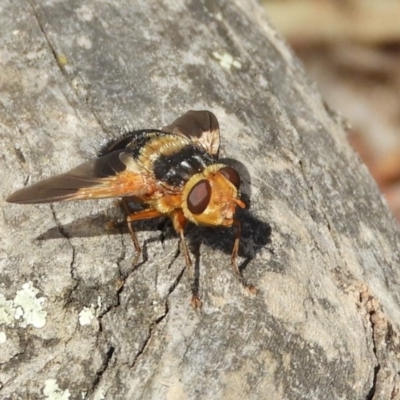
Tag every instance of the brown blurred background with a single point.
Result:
(351, 48)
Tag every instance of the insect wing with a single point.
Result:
(199, 126)
(114, 175)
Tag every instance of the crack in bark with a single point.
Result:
(47, 39)
(371, 311)
(371, 393)
(156, 322)
(53, 51)
(111, 349)
(120, 288)
(122, 255)
(64, 233)
(62, 69)
(377, 368)
(123, 277)
(13, 357)
(99, 374)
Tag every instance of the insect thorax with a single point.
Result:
(176, 169)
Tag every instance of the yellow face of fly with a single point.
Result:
(211, 197)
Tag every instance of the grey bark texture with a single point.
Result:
(318, 240)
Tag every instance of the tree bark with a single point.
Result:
(318, 240)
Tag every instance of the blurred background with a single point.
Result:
(351, 48)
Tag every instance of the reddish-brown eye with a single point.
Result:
(199, 197)
(232, 176)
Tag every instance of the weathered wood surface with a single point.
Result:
(318, 240)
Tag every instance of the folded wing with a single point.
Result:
(116, 174)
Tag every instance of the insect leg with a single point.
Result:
(137, 216)
(235, 252)
(179, 221)
(235, 249)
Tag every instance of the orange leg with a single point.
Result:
(179, 222)
(137, 216)
(235, 249)
(235, 252)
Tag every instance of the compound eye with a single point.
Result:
(232, 176)
(199, 197)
